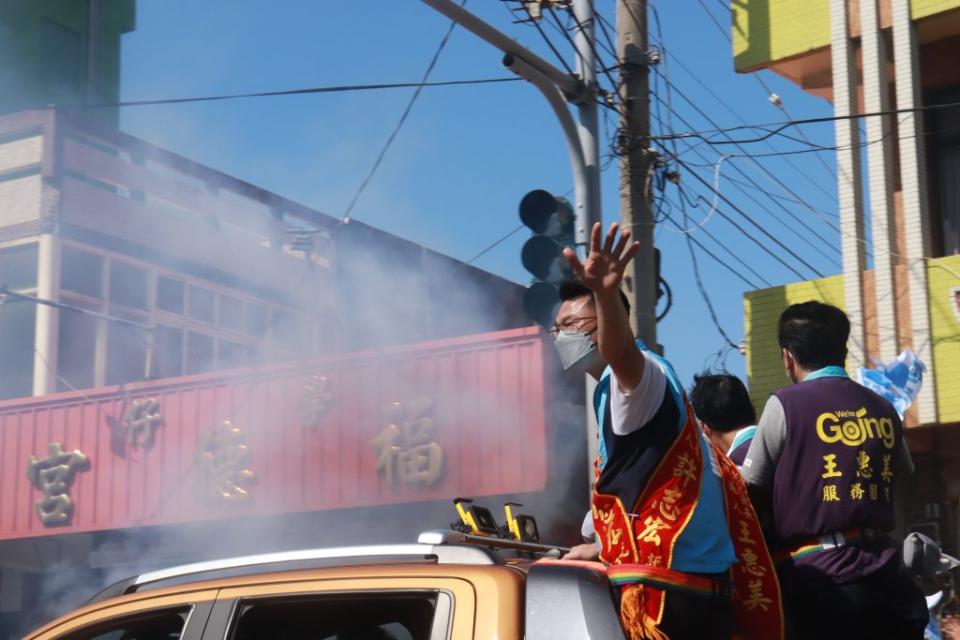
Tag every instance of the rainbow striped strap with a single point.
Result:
(816, 545)
(622, 575)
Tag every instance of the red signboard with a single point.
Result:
(423, 422)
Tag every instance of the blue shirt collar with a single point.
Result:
(833, 371)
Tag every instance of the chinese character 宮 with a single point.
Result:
(405, 450)
(54, 476)
(222, 459)
(830, 466)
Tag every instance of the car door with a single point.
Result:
(389, 608)
(180, 616)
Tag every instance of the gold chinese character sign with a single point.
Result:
(406, 452)
(140, 423)
(53, 476)
(316, 400)
(222, 459)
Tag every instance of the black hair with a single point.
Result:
(721, 402)
(572, 289)
(815, 333)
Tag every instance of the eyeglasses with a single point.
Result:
(572, 324)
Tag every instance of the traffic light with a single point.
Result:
(551, 219)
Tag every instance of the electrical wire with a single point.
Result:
(347, 88)
(770, 94)
(495, 244)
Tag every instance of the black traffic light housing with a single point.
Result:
(551, 220)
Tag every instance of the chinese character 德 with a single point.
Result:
(53, 476)
(830, 466)
(405, 450)
(222, 458)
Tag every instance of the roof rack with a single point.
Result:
(451, 537)
(442, 551)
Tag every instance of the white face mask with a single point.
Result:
(574, 347)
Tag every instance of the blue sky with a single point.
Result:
(467, 155)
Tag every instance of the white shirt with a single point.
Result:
(631, 409)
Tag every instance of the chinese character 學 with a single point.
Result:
(830, 466)
(316, 399)
(222, 458)
(53, 476)
(405, 450)
(140, 423)
(830, 493)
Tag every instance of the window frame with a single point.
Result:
(200, 608)
(223, 618)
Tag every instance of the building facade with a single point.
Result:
(878, 57)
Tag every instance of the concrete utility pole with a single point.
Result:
(635, 165)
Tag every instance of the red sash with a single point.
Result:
(648, 534)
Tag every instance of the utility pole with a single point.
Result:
(640, 279)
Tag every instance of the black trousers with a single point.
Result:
(697, 617)
(886, 605)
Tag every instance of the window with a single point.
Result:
(128, 285)
(201, 304)
(126, 349)
(230, 313)
(159, 625)
(19, 265)
(230, 355)
(169, 352)
(169, 295)
(199, 352)
(256, 319)
(380, 616)
(76, 353)
(18, 327)
(81, 272)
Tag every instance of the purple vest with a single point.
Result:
(836, 472)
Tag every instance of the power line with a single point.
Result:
(770, 94)
(773, 177)
(714, 256)
(676, 157)
(495, 244)
(346, 88)
(774, 128)
(402, 120)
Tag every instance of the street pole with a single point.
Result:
(587, 109)
(635, 166)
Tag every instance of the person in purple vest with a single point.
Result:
(723, 406)
(823, 466)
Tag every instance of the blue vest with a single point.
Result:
(627, 462)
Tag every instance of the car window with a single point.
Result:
(378, 616)
(156, 625)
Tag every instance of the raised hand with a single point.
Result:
(602, 271)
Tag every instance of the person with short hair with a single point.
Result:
(824, 464)
(723, 406)
(684, 566)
